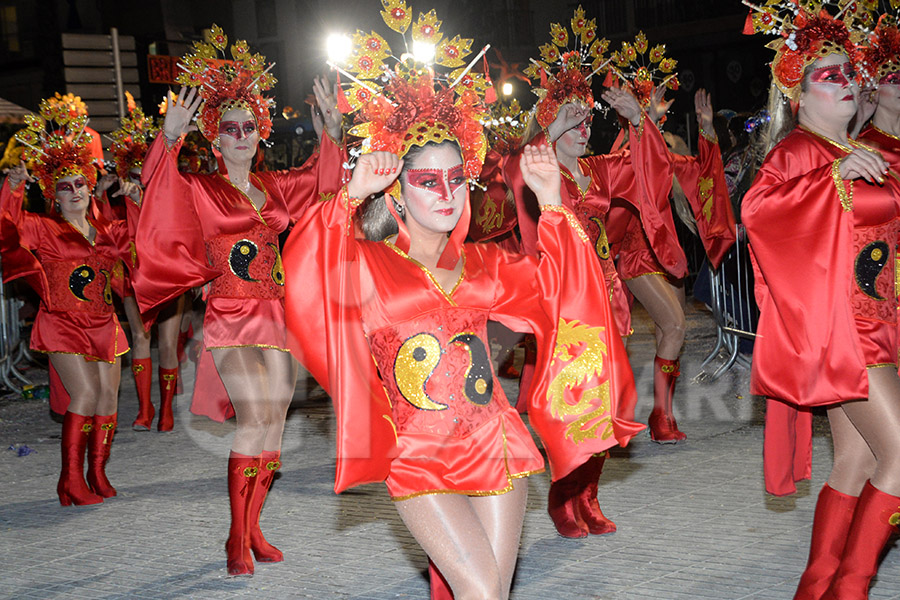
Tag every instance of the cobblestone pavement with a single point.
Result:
(693, 519)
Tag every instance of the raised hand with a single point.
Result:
(624, 103)
(868, 102)
(326, 98)
(569, 116)
(373, 173)
(104, 183)
(130, 189)
(180, 113)
(659, 106)
(540, 170)
(703, 108)
(16, 175)
(865, 164)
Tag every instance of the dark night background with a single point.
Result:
(703, 35)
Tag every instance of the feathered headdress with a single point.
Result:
(564, 74)
(132, 139)
(411, 103)
(642, 68)
(881, 56)
(807, 32)
(56, 145)
(228, 84)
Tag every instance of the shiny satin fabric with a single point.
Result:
(348, 289)
(181, 215)
(808, 350)
(494, 208)
(29, 241)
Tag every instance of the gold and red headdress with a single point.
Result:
(642, 68)
(564, 74)
(228, 84)
(411, 103)
(56, 144)
(807, 32)
(132, 139)
(881, 56)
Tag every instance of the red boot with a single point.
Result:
(831, 523)
(167, 384)
(99, 444)
(440, 589)
(588, 506)
(263, 551)
(875, 519)
(562, 504)
(663, 428)
(242, 471)
(142, 368)
(71, 487)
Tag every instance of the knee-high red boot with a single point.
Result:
(242, 472)
(562, 505)
(99, 444)
(72, 487)
(142, 368)
(663, 428)
(831, 523)
(167, 385)
(587, 504)
(875, 519)
(440, 589)
(269, 462)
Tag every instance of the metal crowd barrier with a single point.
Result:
(12, 347)
(733, 306)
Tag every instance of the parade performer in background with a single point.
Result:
(562, 117)
(394, 327)
(828, 323)
(129, 147)
(881, 56)
(222, 229)
(72, 259)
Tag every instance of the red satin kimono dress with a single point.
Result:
(408, 366)
(824, 252)
(200, 230)
(73, 276)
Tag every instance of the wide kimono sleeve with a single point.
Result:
(322, 306)
(20, 234)
(583, 397)
(318, 179)
(170, 248)
(643, 178)
(703, 180)
(807, 349)
(493, 205)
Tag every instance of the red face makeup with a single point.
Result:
(890, 79)
(843, 74)
(584, 126)
(70, 187)
(442, 182)
(237, 129)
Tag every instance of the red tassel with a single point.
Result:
(609, 81)
(749, 29)
(543, 78)
(490, 94)
(342, 103)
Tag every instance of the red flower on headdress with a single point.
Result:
(568, 85)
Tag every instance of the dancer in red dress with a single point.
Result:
(222, 229)
(72, 259)
(130, 145)
(395, 328)
(827, 295)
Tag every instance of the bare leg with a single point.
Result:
(282, 375)
(472, 541)
(168, 326)
(110, 376)
(140, 339)
(81, 380)
(665, 305)
(878, 422)
(854, 463)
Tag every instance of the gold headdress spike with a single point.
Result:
(642, 68)
(131, 140)
(227, 84)
(807, 31)
(411, 103)
(55, 144)
(563, 73)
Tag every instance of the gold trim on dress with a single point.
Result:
(447, 295)
(662, 273)
(262, 346)
(260, 187)
(844, 194)
(573, 222)
(881, 365)
(885, 133)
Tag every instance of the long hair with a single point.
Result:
(375, 220)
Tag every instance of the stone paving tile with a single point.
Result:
(693, 519)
